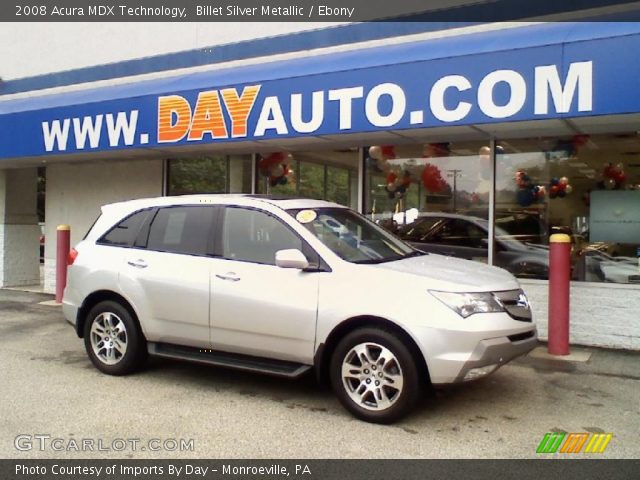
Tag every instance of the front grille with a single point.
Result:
(515, 304)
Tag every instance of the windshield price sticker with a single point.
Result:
(306, 216)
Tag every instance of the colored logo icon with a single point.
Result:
(559, 442)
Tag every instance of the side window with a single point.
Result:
(418, 230)
(254, 236)
(125, 232)
(462, 233)
(181, 230)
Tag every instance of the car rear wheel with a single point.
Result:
(375, 376)
(113, 339)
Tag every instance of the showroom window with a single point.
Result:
(210, 174)
(324, 175)
(585, 186)
(435, 195)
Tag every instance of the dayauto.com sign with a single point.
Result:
(250, 112)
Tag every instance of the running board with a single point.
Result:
(269, 366)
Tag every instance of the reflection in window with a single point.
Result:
(323, 175)
(428, 187)
(254, 236)
(126, 232)
(352, 237)
(583, 186)
(312, 181)
(212, 174)
(181, 230)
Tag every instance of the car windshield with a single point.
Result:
(352, 237)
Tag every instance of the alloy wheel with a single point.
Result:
(108, 338)
(372, 376)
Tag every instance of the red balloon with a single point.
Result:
(609, 171)
(391, 177)
(432, 178)
(555, 189)
(388, 151)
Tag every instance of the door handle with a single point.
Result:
(137, 263)
(231, 276)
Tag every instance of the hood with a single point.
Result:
(453, 274)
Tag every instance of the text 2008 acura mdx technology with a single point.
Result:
(283, 286)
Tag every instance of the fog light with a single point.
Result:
(480, 372)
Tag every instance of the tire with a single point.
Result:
(357, 389)
(113, 340)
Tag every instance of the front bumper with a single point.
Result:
(481, 358)
(495, 352)
(455, 356)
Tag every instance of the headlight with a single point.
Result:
(465, 304)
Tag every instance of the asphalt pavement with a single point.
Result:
(53, 400)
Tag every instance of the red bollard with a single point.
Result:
(63, 244)
(559, 284)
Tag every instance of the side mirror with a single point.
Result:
(291, 258)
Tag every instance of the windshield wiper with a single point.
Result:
(378, 260)
(415, 253)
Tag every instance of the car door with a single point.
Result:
(167, 277)
(258, 308)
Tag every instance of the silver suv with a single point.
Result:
(284, 286)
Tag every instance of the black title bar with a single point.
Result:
(564, 469)
(310, 10)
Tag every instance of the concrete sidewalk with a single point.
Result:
(601, 361)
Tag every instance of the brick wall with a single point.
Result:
(601, 315)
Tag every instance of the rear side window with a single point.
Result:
(183, 230)
(124, 233)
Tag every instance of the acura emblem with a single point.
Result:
(522, 301)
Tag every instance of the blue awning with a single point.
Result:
(28, 124)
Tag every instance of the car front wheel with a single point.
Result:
(113, 340)
(375, 376)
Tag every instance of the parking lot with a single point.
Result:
(50, 388)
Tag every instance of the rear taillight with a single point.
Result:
(73, 254)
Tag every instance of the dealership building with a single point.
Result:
(493, 135)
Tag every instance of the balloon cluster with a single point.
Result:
(432, 179)
(382, 154)
(397, 182)
(559, 187)
(528, 192)
(273, 167)
(613, 177)
(397, 185)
